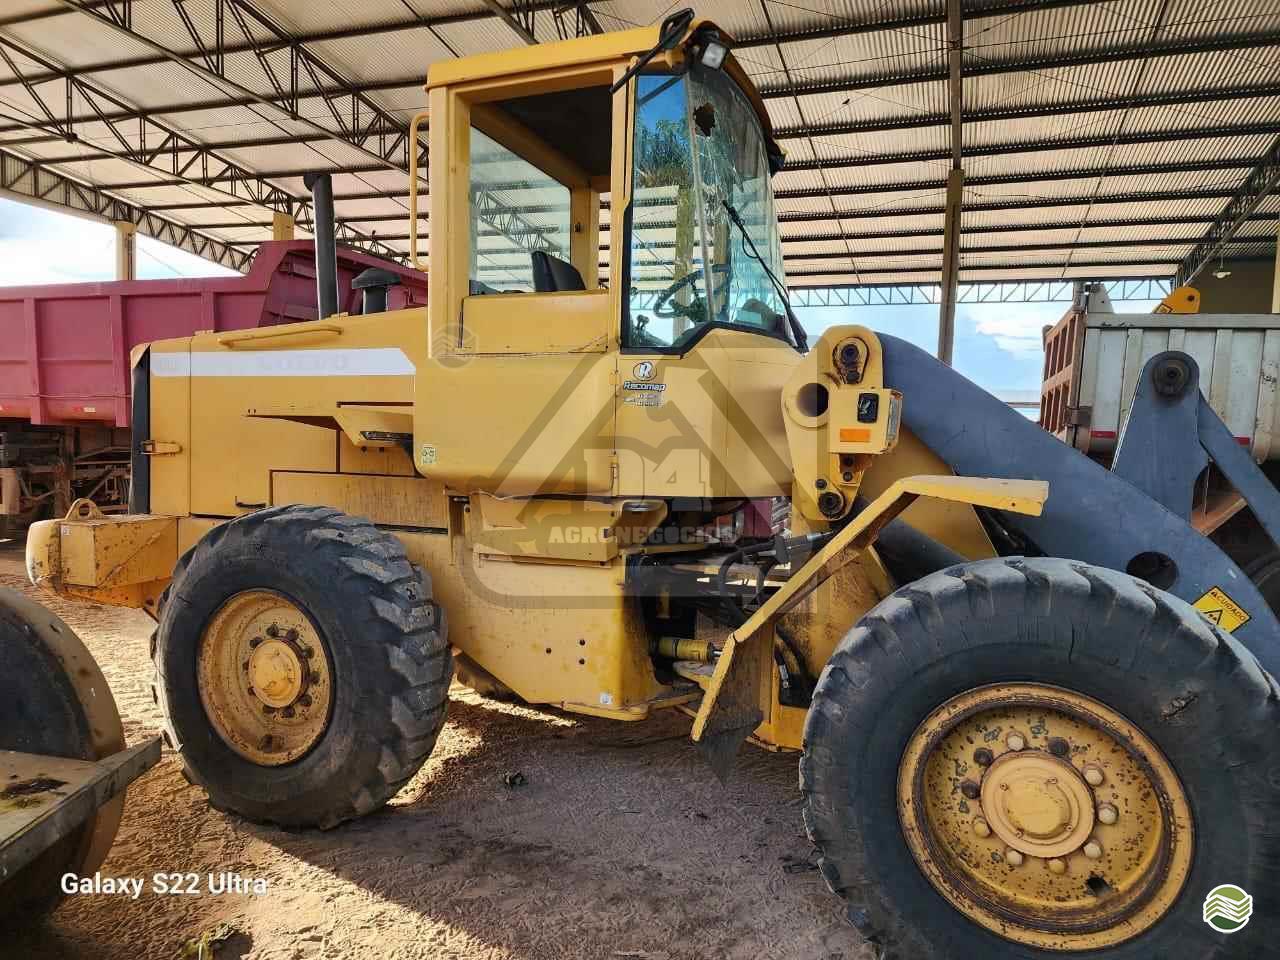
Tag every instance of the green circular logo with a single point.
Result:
(1227, 908)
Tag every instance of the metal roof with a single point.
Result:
(1100, 138)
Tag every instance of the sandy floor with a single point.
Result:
(621, 845)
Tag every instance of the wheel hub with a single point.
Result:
(264, 677)
(1037, 804)
(276, 674)
(1045, 816)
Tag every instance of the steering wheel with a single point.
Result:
(661, 307)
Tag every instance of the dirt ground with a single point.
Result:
(622, 844)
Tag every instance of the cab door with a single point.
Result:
(517, 394)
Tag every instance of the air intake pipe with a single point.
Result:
(321, 187)
(375, 282)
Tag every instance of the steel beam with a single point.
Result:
(356, 120)
(1180, 46)
(330, 92)
(1017, 176)
(522, 31)
(1216, 132)
(932, 271)
(29, 181)
(159, 147)
(985, 291)
(866, 213)
(829, 25)
(1049, 109)
(1261, 181)
(795, 238)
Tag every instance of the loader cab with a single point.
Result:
(585, 212)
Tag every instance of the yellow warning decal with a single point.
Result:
(1222, 610)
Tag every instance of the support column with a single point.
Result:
(1275, 280)
(955, 185)
(950, 266)
(126, 249)
(281, 226)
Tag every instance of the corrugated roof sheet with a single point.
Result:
(870, 144)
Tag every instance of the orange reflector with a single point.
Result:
(854, 434)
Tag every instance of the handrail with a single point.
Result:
(254, 336)
(413, 187)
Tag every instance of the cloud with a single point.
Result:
(1012, 326)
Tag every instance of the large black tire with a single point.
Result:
(55, 701)
(1196, 692)
(389, 658)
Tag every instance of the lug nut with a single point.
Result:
(1013, 857)
(1059, 747)
(255, 641)
(1093, 775)
(273, 631)
(1093, 850)
(1108, 814)
(304, 700)
(291, 635)
(1015, 741)
(268, 709)
(308, 652)
(314, 678)
(287, 713)
(1057, 866)
(970, 790)
(983, 757)
(981, 828)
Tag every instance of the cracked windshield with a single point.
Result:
(703, 226)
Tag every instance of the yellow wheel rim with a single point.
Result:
(1045, 816)
(264, 678)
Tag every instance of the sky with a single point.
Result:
(43, 246)
(997, 344)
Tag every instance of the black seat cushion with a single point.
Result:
(553, 275)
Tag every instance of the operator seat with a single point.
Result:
(553, 275)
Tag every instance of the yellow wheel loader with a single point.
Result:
(605, 471)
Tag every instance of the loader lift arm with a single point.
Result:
(730, 710)
(1095, 515)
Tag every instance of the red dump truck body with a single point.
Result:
(64, 352)
(64, 362)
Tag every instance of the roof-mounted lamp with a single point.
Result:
(709, 49)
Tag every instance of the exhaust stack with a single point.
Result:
(321, 187)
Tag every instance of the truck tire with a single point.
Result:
(54, 700)
(935, 726)
(338, 631)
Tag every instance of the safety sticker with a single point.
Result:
(1222, 610)
(428, 454)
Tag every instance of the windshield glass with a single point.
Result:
(699, 158)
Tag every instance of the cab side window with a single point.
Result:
(517, 212)
(538, 167)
